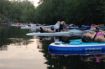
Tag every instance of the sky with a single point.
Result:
(35, 2)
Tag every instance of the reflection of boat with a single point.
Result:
(77, 47)
(73, 32)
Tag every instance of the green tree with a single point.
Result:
(16, 11)
(72, 11)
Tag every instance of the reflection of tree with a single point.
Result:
(67, 62)
(20, 41)
(3, 48)
(4, 37)
(18, 36)
(13, 35)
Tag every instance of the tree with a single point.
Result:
(72, 11)
(16, 11)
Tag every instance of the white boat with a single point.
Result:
(73, 32)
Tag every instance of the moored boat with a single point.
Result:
(77, 47)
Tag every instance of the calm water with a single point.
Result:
(18, 51)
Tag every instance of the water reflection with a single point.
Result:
(18, 51)
(22, 57)
(20, 41)
(2, 48)
(13, 35)
(68, 62)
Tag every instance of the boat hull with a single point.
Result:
(76, 49)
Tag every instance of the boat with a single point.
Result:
(77, 47)
(73, 32)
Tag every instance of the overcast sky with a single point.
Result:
(35, 2)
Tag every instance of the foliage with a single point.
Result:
(49, 11)
(16, 11)
(72, 11)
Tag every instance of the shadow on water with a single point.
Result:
(13, 35)
(67, 62)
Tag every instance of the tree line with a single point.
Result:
(50, 11)
(16, 11)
